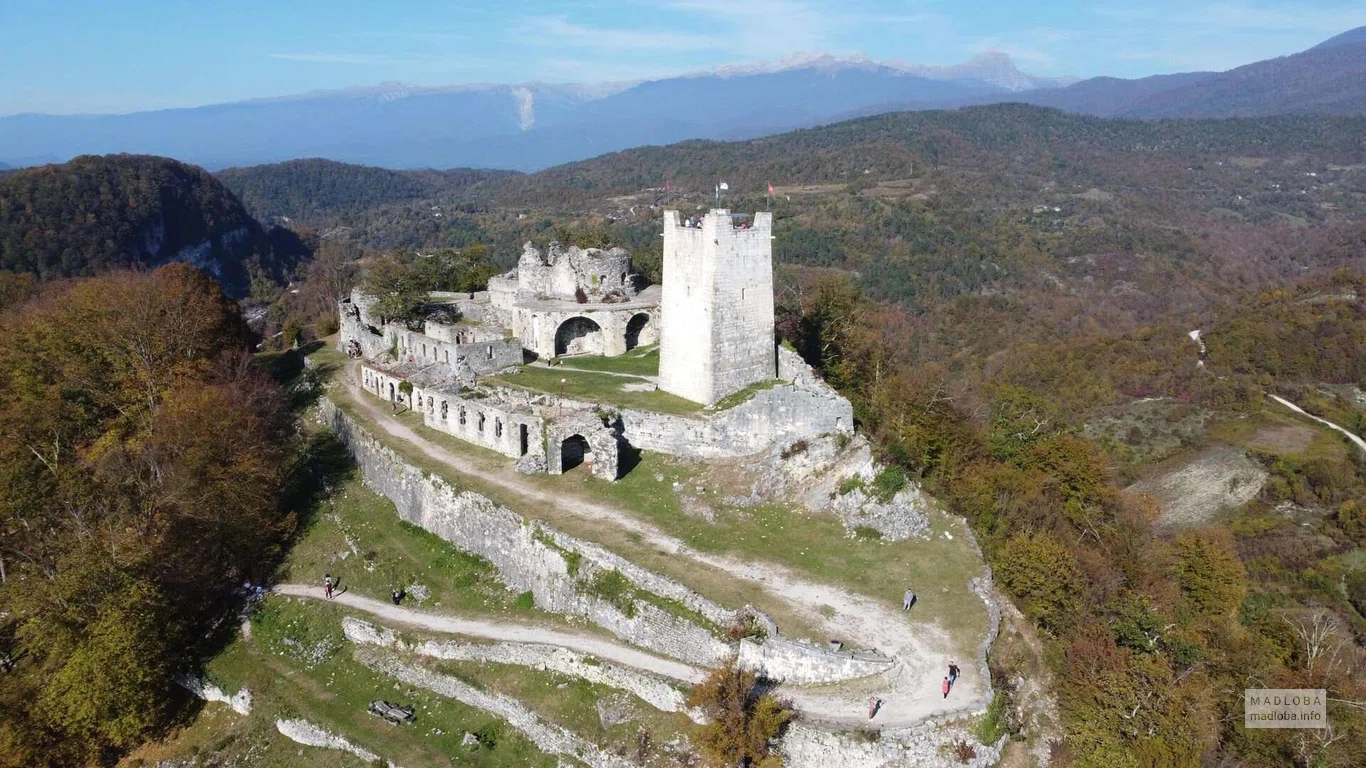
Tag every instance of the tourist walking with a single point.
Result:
(327, 586)
(907, 600)
(945, 687)
(953, 673)
(872, 706)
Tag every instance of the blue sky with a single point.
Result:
(123, 55)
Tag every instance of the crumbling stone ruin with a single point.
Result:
(713, 320)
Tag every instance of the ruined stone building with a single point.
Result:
(712, 318)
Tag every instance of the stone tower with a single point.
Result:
(717, 306)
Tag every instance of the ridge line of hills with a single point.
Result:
(533, 126)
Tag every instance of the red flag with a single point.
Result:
(668, 187)
(770, 187)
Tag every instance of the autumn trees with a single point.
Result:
(1151, 634)
(743, 720)
(140, 465)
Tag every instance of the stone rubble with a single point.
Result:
(311, 735)
(240, 702)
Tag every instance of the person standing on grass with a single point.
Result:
(907, 600)
(327, 586)
(945, 687)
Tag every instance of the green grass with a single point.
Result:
(642, 361)
(357, 536)
(597, 388)
(288, 680)
(778, 533)
(815, 546)
(571, 703)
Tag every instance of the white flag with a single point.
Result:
(724, 185)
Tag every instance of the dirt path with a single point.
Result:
(506, 632)
(910, 690)
(1354, 438)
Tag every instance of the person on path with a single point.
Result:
(872, 706)
(327, 586)
(945, 687)
(907, 600)
(396, 595)
(953, 673)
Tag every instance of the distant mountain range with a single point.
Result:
(532, 126)
(1328, 79)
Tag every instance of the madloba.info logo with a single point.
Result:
(1285, 708)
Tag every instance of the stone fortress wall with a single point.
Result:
(466, 351)
(801, 406)
(718, 305)
(532, 556)
(714, 325)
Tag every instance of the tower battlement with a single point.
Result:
(717, 304)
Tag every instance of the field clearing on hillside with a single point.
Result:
(816, 547)
(1262, 429)
(595, 387)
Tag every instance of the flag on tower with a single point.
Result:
(667, 186)
(724, 186)
(770, 187)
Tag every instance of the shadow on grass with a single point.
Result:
(320, 466)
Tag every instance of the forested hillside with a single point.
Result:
(317, 190)
(1007, 221)
(143, 478)
(97, 213)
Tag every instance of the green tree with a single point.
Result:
(1042, 575)
(112, 688)
(1209, 572)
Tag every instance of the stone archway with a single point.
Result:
(575, 450)
(639, 331)
(578, 336)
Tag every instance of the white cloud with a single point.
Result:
(560, 32)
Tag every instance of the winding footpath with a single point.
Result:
(921, 652)
(620, 653)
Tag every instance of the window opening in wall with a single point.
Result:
(497, 427)
(522, 439)
(443, 410)
(431, 404)
(490, 351)
(481, 422)
(462, 415)
(448, 356)
(742, 294)
(424, 350)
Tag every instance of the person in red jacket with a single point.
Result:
(945, 688)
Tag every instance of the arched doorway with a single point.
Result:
(578, 336)
(575, 451)
(638, 331)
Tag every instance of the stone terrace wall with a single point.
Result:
(804, 407)
(524, 562)
(789, 661)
